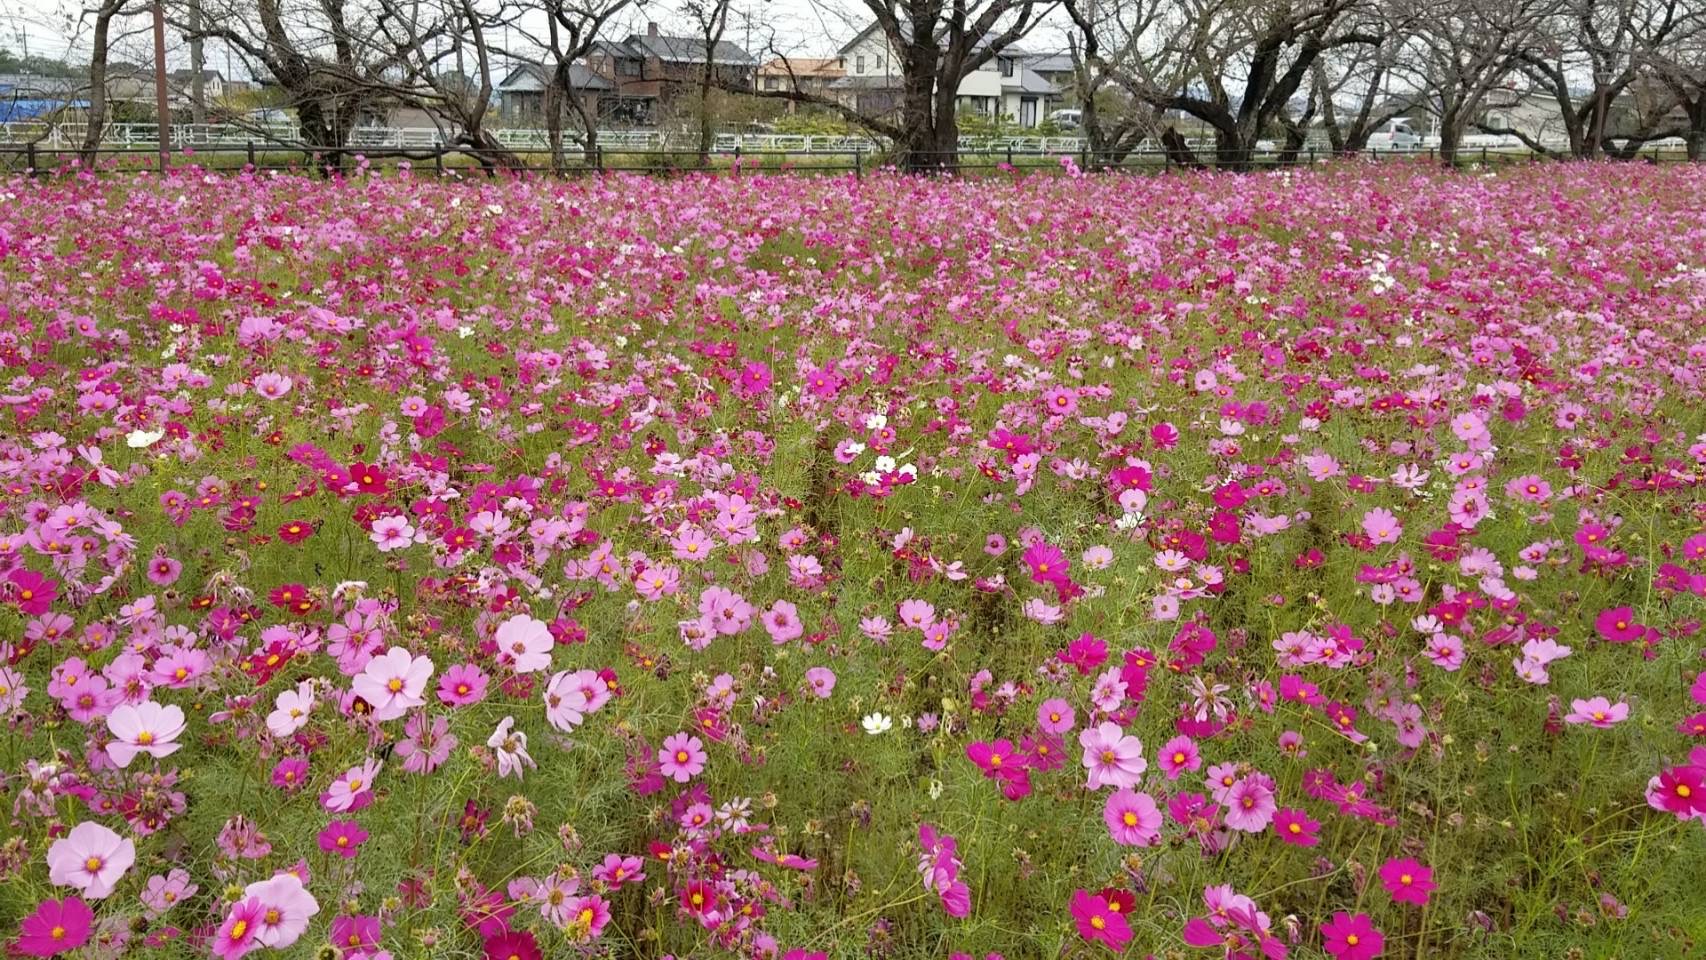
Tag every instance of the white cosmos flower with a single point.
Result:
(142, 439)
(877, 723)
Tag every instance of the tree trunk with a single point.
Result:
(97, 113)
(1450, 137)
(551, 103)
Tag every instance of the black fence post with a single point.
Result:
(30, 158)
(438, 161)
(251, 153)
(858, 164)
(1312, 156)
(598, 158)
(736, 168)
(1009, 154)
(1483, 156)
(1084, 157)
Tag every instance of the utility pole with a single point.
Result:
(162, 107)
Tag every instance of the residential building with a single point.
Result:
(813, 76)
(521, 94)
(1002, 87)
(648, 71)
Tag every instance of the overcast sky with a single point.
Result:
(799, 28)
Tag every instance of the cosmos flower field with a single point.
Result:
(1282, 565)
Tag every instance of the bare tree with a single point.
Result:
(1462, 50)
(572, 31)
(1352, 87)
(711, 19)
(1607, 43)
(101, 45)
(334, 59)
(938, 44)
(1113, 46)
(1244, 62)
(1680, 67)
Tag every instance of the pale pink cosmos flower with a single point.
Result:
(1132, 818)
(272, 386)
(393, 683)
(392, 533)
(1056, 716)
(525, 643)
(291, 709)
(286, 908)
(1112, 758)
(1381, 525)
(782, 622)
(821, 680)
(353, 790)
(91, 858)
(146, 727)
(1597, 711)
(510, 745)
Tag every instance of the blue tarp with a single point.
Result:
(12, 110)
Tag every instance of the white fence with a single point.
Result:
(289, 136)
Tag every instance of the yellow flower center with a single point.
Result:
(1098, 923)
(395, 685)
(238, 929)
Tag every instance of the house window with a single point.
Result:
(879, 63)
(772, 83)
(1007, 66)
(859, 64)
(630, 68)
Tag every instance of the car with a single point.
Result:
(1395, 134)
(1067, 119)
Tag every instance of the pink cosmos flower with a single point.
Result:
(55, 927)
(1112, 758)
(1351, 938)
(1179, 755)
(682, 757)
(462, 685)
(1381, 526)
(1133, 819)
(524, 643)
(91, 858)
(1407, 880)
(1598, 711)
(393, 683)
(782, 622)
(821, 680)
(147, 727)
(164, 891)
(1250, 805)
(617, 870)
(1056, 716)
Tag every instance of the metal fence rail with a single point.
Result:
(856, 157)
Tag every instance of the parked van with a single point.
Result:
(1067, 119)
(1395, 134)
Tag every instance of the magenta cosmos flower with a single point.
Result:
(342, 837)
(146, 727)
(682, 757)
(393, 683)
(1179, 755)
(55, 927)
(286, 909)
(91, 858)
(1407, 880)
(1351, 938)
(1296, 828)
(1112, 758)
(1098, 922)
(240, 931)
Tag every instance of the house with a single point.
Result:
(813, 76)
(1003, 87)
(181, 82)
(648, 71)
(521, 93)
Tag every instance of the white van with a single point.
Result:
(1395, 134)
(1067, 119)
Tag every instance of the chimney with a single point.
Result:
(651, 28)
